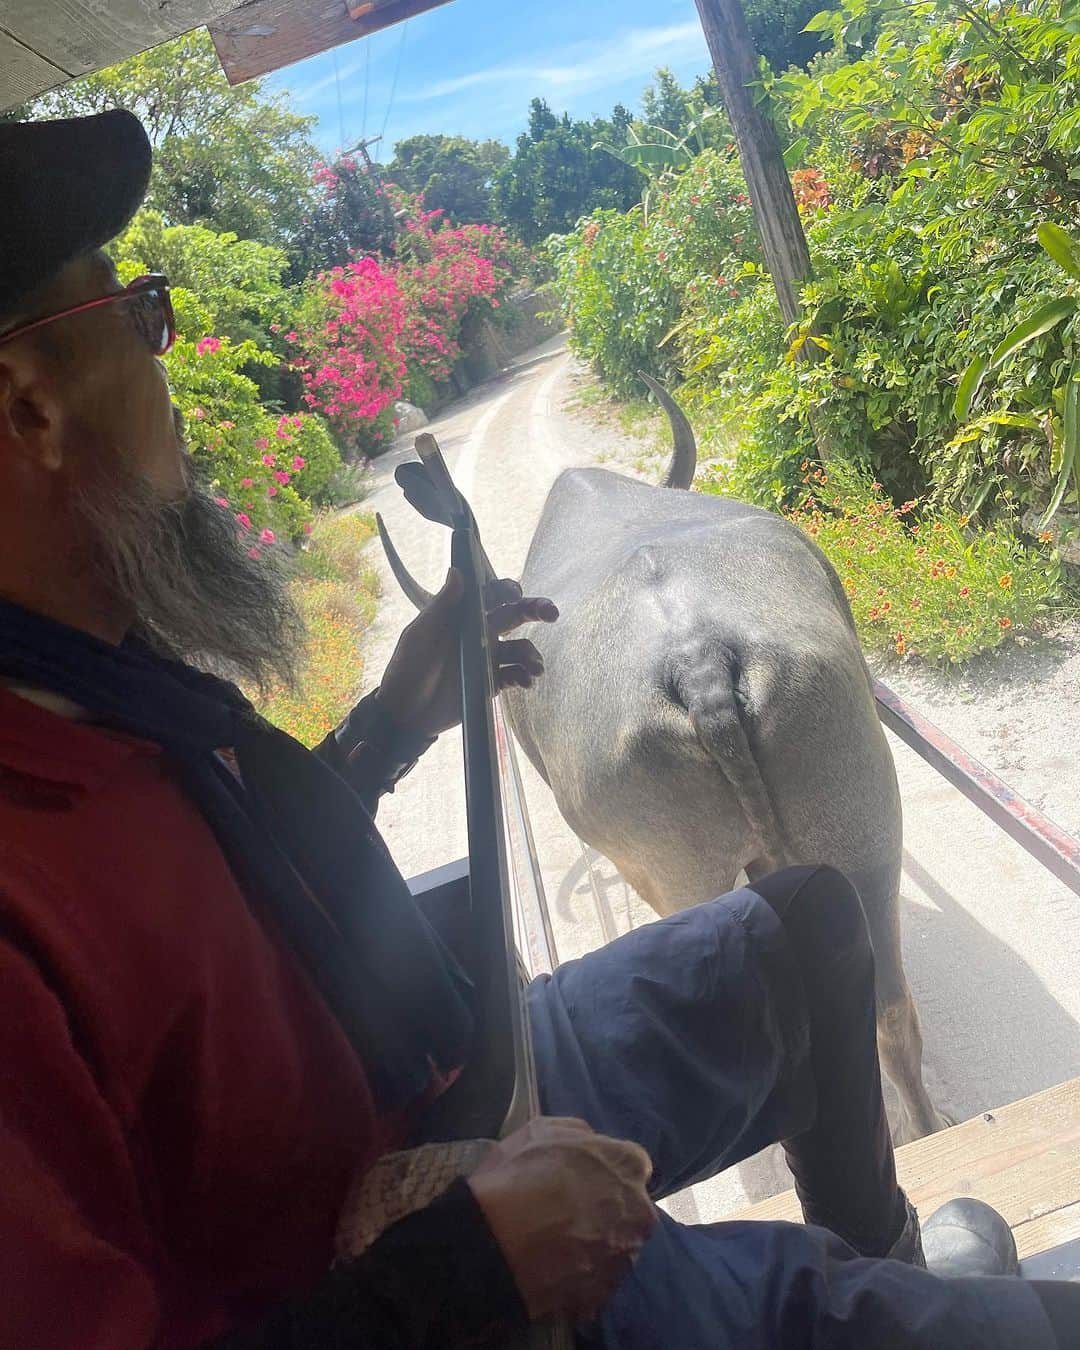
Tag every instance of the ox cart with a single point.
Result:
(1023, 1159)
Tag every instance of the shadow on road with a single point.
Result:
(993, 1032)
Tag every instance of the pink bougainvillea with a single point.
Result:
(208, 344)
(352, 365)
(369, 322)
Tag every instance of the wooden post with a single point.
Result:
(777, 216)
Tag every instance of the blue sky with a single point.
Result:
(471, 67)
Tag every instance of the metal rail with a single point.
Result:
(534, 929)
(1048, 843)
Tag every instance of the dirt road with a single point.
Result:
(992, 943)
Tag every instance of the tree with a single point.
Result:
(694, 114)
(667, 104)
(352, 216)
(776, 30)
(237, 281)
(558, 174)
(452, 173)
(233, 159)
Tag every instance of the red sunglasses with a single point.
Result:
(151, 310)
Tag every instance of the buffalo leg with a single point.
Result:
(900, 1043)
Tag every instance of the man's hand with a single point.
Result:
(421, 689)
(569, 1210)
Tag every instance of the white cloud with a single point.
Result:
(582, 67)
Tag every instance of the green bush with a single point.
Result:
(271, 467)
(625, 281)
(419, 388)
(619, 302)
(922, 582)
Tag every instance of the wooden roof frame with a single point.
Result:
(44, 45)
(265, 35)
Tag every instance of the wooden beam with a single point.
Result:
(1023, 1159)
(736, 64)
(24, 74)
(79, 36)
(265, 35)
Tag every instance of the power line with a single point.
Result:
(397, 72)
(367, 81)
(340, 113)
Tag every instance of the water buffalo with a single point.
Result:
(706, 709)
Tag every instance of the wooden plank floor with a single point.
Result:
(1023, 1159)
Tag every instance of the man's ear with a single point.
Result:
(29, 416)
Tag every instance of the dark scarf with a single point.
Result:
(294, 831)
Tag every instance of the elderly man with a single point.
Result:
(220, 1004)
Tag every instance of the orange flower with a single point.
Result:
(916, 603)
(1047, 537)
(881, 590)
(950, 572)
(920, 552)
(886, 607)
(1005, 582)
(964, 520)
(1004, 623)
(965, 591)
(901, 646)
(873, 614)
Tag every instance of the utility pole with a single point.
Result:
(362, 149)
(777, 216)
(372, 170)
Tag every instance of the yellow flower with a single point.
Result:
(1005, 582)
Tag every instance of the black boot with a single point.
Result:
(967, 1237)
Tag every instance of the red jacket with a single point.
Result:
(179, 1112)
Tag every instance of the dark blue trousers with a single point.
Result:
(692, 1037)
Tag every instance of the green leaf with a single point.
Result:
(651, 156)
(822, 22)
(1045, 317)
(1061, 246)
(982, 494)
(1007, 419)
(968, 388)
(794, 153)
(1070, 436)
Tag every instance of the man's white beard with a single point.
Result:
(184, 570)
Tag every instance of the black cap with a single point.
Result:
(66, 188)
